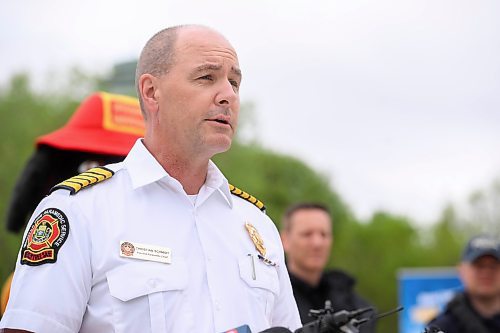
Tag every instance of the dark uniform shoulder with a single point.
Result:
(340, 278)
(88, 178)
(250, 198)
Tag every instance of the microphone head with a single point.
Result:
(433, 329)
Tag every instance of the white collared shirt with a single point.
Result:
(214, 281)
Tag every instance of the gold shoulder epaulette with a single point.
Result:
(85, 179)
(250, 198)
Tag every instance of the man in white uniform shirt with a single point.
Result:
(161, 242)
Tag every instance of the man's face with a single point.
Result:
(308, 240)
(198, 97)
(481, 277)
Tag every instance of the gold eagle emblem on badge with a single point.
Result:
(256, 239)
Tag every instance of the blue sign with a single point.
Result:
(423, 292)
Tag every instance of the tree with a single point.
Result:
(482, 214)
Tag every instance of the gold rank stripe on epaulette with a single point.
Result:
(85, 179)
(250, 198)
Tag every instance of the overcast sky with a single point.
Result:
(397, 101)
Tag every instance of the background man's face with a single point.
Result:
(481, 277)
(308, 241)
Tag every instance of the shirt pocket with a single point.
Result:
(148, 290)
(262, 280)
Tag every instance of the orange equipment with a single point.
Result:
(102, 130)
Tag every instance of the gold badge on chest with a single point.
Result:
(256, 239)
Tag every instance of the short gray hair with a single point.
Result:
(157, 57)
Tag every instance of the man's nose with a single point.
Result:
(227, 95)
(317, 240)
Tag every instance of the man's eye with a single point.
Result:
(206, 77)
(234, 83)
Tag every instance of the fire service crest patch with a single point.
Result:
(47, 234)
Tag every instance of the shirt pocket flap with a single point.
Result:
(133, 280)
(259, 275)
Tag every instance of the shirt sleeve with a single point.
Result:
(286, 313)
(52, 279)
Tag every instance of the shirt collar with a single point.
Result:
(144, 169)
(217, 181)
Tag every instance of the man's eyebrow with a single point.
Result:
(216, 67)
(205, 67)
(236, 71)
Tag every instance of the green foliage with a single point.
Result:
(278, 180)
(24, 115)
(373, 252)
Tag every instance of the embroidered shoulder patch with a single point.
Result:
(47, 234)
(250, 198)
(85, 179)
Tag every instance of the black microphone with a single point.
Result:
(341, 321)
(340, 318)
(433, 329)
(331, 322)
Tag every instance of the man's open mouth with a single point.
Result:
(221, 120)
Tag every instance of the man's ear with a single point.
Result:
(148, 90)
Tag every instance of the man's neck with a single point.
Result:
(486, 307)
(192, 178)
(312, 278)
(189, 169)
